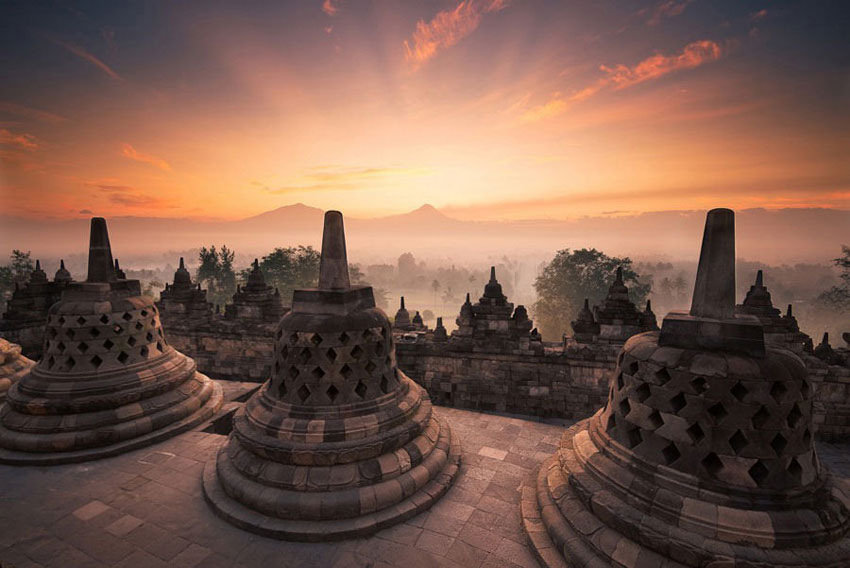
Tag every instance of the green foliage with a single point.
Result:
(18, 270)
(838, 297)
(573, 276)
(216, 273)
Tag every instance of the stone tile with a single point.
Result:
(433, 542)
(402, 534)
(515, 553)
(102, 546)
(190, 557)
(466, 554)
(124, 525)
(141, 559)
(91, 510)
(492, 453)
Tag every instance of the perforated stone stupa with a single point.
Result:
(13, 366)
(256, 300)
(702, 456)
(183, 303)
(338, 443)
(108, 381)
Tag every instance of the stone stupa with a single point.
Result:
(108, 381)
(704, 454)
(13, 366)
(339, 443)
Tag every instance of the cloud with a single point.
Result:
(760, 15)
(85, 212)
(337, 178)
(622, 76)
(128, 196)
(83, 54)
(27, 112)
(129, 152)
(330, 7)
(23, 140)
(667, 9)
(447, 28)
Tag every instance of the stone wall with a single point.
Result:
(29, 335)
(233, 352)
(832, 399)
(566, 384)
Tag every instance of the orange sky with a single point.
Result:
(484, 108)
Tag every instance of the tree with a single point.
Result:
(216, 273)
(838, 297)
(428, 315)
(289, 268)
(435, 286)
(17, 271)
(573, 276)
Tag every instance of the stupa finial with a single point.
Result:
(492, 274)
(619, 278)
(101, 267)
(182, 265)
(714, 291)
(333, 269)
(402, 302)
(759, 278)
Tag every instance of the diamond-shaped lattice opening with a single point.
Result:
(69, 364)
(671, 453)
(305, 356)
(370, 367)
(360, 389)
(51, 362)
(712, 464)
(278, 334)
(643, 392)
(70, 333)
(317, 372)
(678, 402)
(758, 472)
(794, 416)
(316, 339)
(96, 361)
(128, 316)
(293, 339)
(795, 470)
(332, 392)
(83, 346)
(625, 407)
(343, 338)
(804, 389)
(303, 393)
(108, 344)
(384, 332)
(131, 341)
(663, 376)
(379, 349)
(284, 352)
(612, 423)
(81, 320)
(144, 351)
(367, 334)
(778, 443)
(738, 442)
(104, 318)
(778, 391)
(281, 389)
(144, 313)
(695, 432)
(159, 346)
(60, 346)
(385, 385)
(634, 367)
(94, 332)
(53, 333)
(122, 357)
(700, 385)
(117, 329)
(357, 352)
(277, 367)
(739, 391)
(149, 336)
(760, 418)
(331, 355)
(633, 437)
(293, 372)
(620, 382)
(807, 437)
(346, 371)
(655, 419)
(139, 326)
(718, 412)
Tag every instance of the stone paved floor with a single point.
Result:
(146, 509)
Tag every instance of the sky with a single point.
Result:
(486, 109)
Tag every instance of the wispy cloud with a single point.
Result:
(129, 152)
(760, 15)
(27, 112)
(337, 178)
(128, 196)
(83, 54)
(667, 9)
(20, 140)
(447, 28)
(330, 7)
(623, 76)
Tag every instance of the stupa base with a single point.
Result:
(204, 413)
(330, 529)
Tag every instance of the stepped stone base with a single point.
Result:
(206, 411)
(337, 529)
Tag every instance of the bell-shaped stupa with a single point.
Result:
(704, 454)
(339, 442)
(108, 381)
